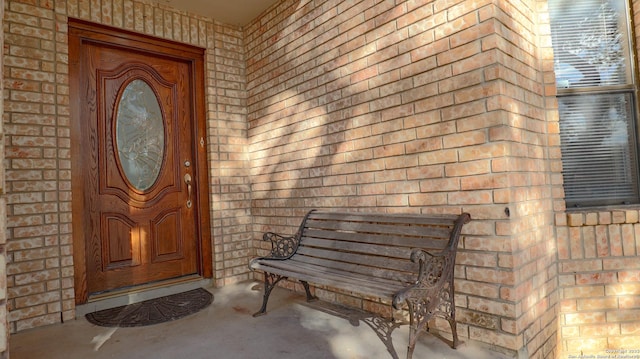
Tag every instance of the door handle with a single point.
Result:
(187, 180)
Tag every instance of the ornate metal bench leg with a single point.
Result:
(420, 313)
(454, 332)
(413, 336)
(451, 316)
(413, 329)
(310, 297)
(270, 281)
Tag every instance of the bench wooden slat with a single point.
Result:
(383, 273)
(365, 227)
(340, 276)
(317, 275)
(375, 239)
(386, 293)
(358, 247)
(443, 219)
(355, 258)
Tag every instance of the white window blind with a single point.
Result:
(598, 161)
(596, 101)
(590, 43)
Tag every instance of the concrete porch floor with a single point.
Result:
(292, 328)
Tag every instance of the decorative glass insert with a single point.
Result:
(140, 135)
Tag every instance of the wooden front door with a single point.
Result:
(138, 160)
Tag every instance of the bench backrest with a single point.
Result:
(375, 244)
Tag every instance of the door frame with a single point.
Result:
(87, 32)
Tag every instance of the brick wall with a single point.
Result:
(415, 106)
(230, 189)
(39, 270)
(599, 276)
(40, 255)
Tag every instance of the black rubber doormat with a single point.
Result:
(153, 311)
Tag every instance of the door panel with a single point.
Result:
(168, 243)
(138, 142)
(120, 250)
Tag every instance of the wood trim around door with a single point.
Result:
(82, 31)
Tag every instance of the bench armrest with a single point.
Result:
(433, 273)
(433, 267)
(281, 247)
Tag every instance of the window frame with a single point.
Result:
(631, 88)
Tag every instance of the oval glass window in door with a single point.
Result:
(140, 135)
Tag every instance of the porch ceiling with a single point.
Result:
(236, 12)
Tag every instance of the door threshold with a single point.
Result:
(130, 295)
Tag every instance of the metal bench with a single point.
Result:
(402, 258)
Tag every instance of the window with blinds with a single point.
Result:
(596, 97)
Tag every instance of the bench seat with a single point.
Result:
(355, 282)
